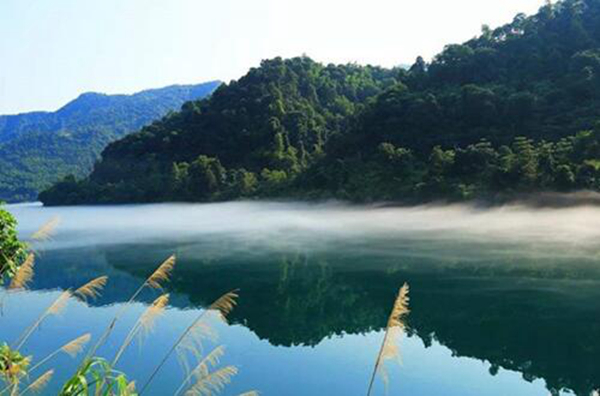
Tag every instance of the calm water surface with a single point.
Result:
(503, 301)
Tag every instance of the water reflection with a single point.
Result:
(538, 317)
(515, 287)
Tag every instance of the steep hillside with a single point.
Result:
(37, 149)
(274, 122)
(511, 111)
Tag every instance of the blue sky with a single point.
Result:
(53, 50)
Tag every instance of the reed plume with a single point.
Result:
(72, 348)
(144, 324)
(57, 306)
(395, 327)
(203, 368)
(91, 289)
(40, 383)
(193, 343)
(24, 274)
(152, 313)
(161, 274)
(223, 305)
(201, 331)
(207, 385)
(46, 230)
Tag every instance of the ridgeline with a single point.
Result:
(40, 148)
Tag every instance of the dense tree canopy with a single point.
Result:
(513, 110)
(261, 131)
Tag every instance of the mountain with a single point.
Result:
(276, 117)
(39, 148)
(510, 112)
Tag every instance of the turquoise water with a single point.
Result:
(503, 302)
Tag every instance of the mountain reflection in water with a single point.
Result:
(531, 306)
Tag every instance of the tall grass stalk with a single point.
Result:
(202, 369)
(39, 384)
(144, 324)
(46, 230)
(100, 374)
(394, 325)
(161, 274)
(91, 290)
(57, 306)
(212, 382)
(24, 274)
(71, 348)
(223, 305)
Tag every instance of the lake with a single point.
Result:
(503, 301)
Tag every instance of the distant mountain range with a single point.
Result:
(39, 148)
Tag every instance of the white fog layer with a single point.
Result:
(311, 224)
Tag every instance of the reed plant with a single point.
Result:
(395, 327)
(99, 376)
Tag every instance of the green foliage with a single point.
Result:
(273, 122)
(12, 251)
(97, 377)
(13, 365)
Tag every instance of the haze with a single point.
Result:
(291, 226)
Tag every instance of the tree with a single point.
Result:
(399, 161)
(565, 178)
(12, 251)
(440, 161)
(206, 177)
(526, 163)
(273, 180)
(242, 183)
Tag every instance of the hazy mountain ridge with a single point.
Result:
(91, 105)
(39, 148)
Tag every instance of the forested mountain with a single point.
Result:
(511, 111)
(39, 148)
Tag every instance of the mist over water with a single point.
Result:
(312, 225)
(514, 240)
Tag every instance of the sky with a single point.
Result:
(51, 51)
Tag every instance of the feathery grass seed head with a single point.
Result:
(162, 273)
(40, 383)
(24, 274)
(74, 347)
(46, 230)
(91, 289)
